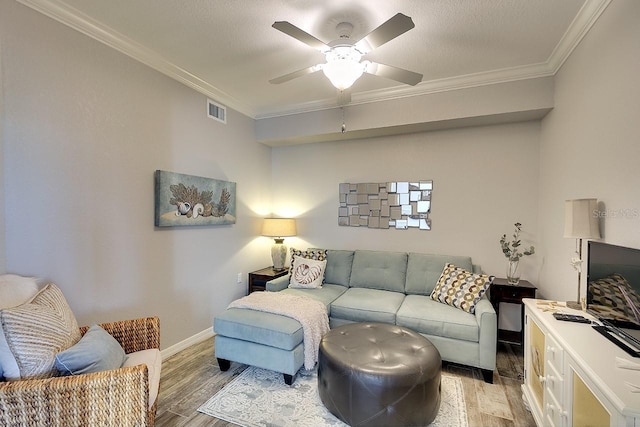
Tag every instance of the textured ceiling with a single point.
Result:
(228, 50)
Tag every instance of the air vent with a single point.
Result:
(216, 111)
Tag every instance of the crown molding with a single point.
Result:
(77, 20)
(582, 23)
(73, 18)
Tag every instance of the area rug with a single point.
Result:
(260, 398)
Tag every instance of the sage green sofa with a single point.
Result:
(366, 286)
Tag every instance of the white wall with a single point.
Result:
(590, 143)
(85, 127)
(485, 180)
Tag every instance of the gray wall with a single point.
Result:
(84, 129)
(485, 179)
(590, 143)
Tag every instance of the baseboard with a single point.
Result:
(194, 339)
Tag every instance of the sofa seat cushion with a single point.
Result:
(326, 294)
(372, 305)
(429, 317)
(379, 270)
(153, 359)
(260, 327)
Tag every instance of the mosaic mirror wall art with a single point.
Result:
(400, 205)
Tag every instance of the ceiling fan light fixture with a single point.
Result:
(343, 66)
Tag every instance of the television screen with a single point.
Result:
(613, 288)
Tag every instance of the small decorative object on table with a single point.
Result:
(512, 252)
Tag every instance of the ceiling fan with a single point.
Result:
(343, 56)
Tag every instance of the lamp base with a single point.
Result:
(278, 254)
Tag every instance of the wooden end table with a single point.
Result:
(258, 279)
(502, 291)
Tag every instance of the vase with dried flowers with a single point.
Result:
(513, 253)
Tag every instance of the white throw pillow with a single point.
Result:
(16, 290)
(307, 273)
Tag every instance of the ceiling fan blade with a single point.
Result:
(296, 74)
(300, 35)
(394, 73)
(389, 30)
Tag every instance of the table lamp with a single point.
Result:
(580, 222)
(278, 228)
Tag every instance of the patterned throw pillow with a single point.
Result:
(35, 331)
(317, 254)
(460, 288)
(610, 292)
(307, 273)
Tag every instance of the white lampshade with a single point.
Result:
(279, 227)
(581, 219)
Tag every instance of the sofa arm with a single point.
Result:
(488, 322)
(278, 283)
(115, 397)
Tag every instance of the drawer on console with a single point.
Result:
(553, 413)
(554, 383)
(553, 354)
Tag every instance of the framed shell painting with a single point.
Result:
(187, 200)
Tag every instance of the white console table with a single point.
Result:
(571, 378)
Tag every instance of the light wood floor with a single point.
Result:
(192, 376)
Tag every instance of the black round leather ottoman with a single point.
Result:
(377, 374)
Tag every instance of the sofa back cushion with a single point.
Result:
(424, 270)
(379, 270)
(338, 271)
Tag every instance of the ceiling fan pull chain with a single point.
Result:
(344, 126)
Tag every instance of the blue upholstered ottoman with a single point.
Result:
(266, 340)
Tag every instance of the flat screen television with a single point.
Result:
(613, 293)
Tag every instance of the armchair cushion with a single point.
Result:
(153, 360)
(34, 332)
(96, 351)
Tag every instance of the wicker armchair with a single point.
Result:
(119, 397)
